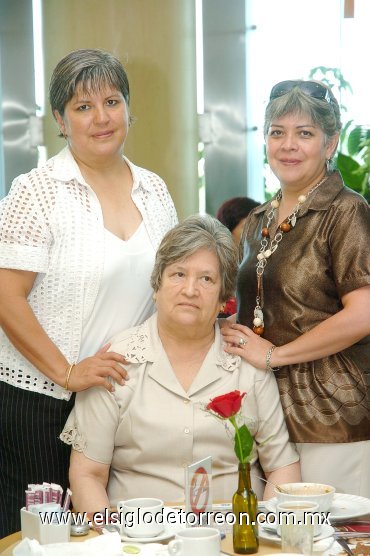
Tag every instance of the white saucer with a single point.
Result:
(170, 530)
(345, 506)
(322, 546)
(326, 531)
(167, 534)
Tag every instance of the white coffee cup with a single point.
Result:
(299, 512)
(142, 517)
(196, 541)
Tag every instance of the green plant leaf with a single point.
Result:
(330, 76)
(243, 443)
(351, 172)
(357, 139)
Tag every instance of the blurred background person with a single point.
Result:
(304, 284)
(233, 213)
(78, 238)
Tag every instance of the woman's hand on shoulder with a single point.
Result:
(241, 340)
(96, 371)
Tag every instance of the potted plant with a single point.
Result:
(353, 155)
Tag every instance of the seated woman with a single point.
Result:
(136, 441)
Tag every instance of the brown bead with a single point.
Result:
(258, 330)
(285, 227)
(265, 232)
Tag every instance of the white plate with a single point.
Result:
(164, 552)
(345, 506)
(146, 549)
(170, 530)
(326, 531)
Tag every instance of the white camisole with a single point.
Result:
(125, 297)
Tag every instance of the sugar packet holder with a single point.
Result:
(46, 523)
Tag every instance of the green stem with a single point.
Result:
(233, 422)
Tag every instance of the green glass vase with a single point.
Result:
(245, 528)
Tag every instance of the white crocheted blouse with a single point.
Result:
(51, 223)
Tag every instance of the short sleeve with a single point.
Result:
(91, 426)
(272, 437)
(24, 234)
(349, 246)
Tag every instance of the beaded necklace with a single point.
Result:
(268, 247)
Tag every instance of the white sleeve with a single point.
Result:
(24, 235)
(166, 201)
(92, 424)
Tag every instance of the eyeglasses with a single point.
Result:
(310, 88)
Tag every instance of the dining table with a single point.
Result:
(226, 544)
(7, 544)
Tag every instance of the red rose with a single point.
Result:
(227, 405)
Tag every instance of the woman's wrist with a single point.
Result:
(269, 354)
(275, 357)
(281, 356)
(68, 375)
(285, 355)
(58, 373)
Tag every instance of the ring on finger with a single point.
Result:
(242, 342)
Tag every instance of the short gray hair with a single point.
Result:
(324, 114)
(92, 69)
(195, 233)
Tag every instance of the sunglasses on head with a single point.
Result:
(310, 88)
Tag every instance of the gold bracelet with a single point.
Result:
(69, 370)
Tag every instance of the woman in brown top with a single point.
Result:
(304, 290)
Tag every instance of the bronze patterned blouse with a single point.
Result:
(325, 256)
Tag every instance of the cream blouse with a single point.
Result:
(149, 430)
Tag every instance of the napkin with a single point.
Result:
(354, 526)
(109, 545)
(360, 544)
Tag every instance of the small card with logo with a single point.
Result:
(198, 486)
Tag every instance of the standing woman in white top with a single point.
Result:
(78, 238)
